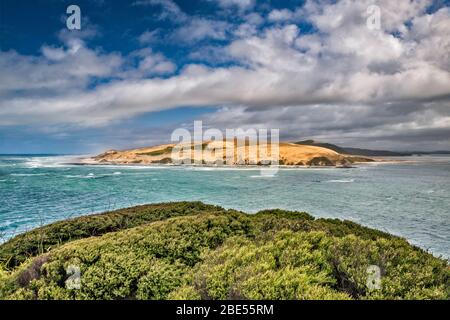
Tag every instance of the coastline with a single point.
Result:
(90, 161)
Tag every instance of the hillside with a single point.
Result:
(289, 154)
(189, 250)
(354, 151)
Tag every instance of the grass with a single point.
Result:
(189, 250)
(155, 153)
(168, 150)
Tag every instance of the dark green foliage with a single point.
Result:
(277, 213)
(196, 251)
(41, 240)
(134, 262)
(276, 219)
(341, 228)
(323, 145)
(407, 272)
(320, 161)
(313, 265)
(353, 151)
(287, 266)
(355, 159)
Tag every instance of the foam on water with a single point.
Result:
(79, 176)
(92, 175)
(49, 162)
(341, 181)
(262, 176)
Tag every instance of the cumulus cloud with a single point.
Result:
(146, 63)
(200, 28)
(149, 37)
(280, 15)
(344, 78)
(169, 9)
(189, 29)
(57, 70)
(240, 4)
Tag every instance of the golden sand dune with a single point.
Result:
(217, 153)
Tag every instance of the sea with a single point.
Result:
(410, 198)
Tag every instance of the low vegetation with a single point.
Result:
(43, 239)
(159, 152)
(189, 250)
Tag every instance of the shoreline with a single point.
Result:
(91, 162)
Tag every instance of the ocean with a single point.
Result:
(410, 199)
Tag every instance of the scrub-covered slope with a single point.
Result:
(195, 251)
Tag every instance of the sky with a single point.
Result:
(333, 71)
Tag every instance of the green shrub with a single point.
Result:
(43, 239)
(288, 266)
(118, 265)
(195, 251)
(341, 228)
(160, 279)
(184, 293)
(406, 272)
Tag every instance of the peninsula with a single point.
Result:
(290, 154)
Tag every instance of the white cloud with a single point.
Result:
(280, 15)
(210, 54)
(155, 63)
(250, 26)
(149, 37)
(58, 70)
(170, 10)
(240, 4)
(201, 28)
(189, 29)
(342, 69)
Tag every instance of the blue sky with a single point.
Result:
(139, 69)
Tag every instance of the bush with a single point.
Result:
(41, 240)
(118, 265)
(195, 251)
(288, 266)
(161, 279)
(184, 293)
(406, 272)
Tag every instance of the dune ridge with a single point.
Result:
(290, 154)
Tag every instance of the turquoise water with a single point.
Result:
(409, 199)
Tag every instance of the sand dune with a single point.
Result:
(215, 153)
